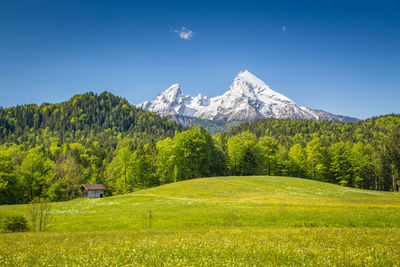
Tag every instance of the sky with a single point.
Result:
(339, 56)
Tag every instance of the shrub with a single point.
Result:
(15, 223)
(40, 211)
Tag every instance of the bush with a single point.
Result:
(15, 223)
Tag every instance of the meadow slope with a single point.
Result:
(254, 220)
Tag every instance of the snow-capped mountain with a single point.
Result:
(247, 98)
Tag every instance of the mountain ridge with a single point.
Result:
(83, 115)
(248, 98)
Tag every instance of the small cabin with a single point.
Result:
(93, 190)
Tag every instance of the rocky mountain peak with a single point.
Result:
(172, 93)
(247, 98)
(249, 77)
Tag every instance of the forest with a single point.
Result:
(48, 151)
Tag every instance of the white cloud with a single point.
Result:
(284, 28)
(184, 33)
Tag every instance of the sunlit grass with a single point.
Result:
(279, 220)
(222, 247)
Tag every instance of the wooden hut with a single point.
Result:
(93, 190)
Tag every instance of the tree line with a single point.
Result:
(52, 159)
(57, 171)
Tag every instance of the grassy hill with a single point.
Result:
(258, 201)
(218, 221)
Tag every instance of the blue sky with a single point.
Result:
(339, 56)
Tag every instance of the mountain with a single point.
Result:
(83, 116)
(248, 98)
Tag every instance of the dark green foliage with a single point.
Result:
(15, 223)
(391, 155)
(83, 118)
(289, 132)
(364, 154)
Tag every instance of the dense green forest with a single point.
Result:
(364, 154)
(48, 151)
(83, 118)
(38, 144)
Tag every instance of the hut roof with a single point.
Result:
(94, 186)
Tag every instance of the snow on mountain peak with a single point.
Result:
(249, 85)
(250, 78)
(174, 87)
(172, 93)
(247, 98)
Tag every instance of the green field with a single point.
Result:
(217, 221)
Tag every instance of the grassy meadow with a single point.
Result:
(218, 221)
